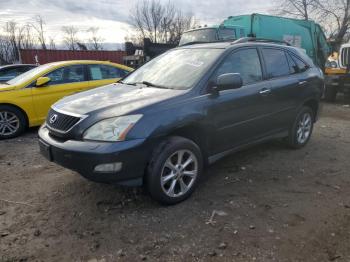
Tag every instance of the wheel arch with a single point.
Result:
(195, 133)
(18, 108)
(314, 105)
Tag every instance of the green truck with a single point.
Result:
(307, 35)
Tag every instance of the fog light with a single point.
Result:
(109, 168)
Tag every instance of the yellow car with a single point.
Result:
(26, 99)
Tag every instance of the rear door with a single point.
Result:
(64, 81)
(243, 115)
(101, 75)
(282, 77)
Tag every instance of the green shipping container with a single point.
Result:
(307, 35)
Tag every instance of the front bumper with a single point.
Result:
(84, 156)
(340, 81)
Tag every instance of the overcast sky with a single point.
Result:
(112, 16)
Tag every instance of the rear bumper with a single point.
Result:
(84, 156)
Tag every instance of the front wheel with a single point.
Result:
(302, 128)
(174, 170)
(12, 122)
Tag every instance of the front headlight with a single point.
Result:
(112, 129)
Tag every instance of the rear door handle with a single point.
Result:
(302, 83)
(265, 91)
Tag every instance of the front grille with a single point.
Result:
(60, 122)
(345, 56)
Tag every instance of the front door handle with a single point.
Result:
(301, 83)
(265, 91)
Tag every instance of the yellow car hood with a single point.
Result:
(4, 87)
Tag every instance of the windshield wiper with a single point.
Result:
(129, 84)
(149, 84)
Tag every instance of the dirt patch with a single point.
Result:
(271, 204)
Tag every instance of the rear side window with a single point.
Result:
(276, 62)
(293, 67)
(99, 72)
(245, 62)
(25, 69)
(9, 72)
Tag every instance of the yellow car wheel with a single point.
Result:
(12, 122)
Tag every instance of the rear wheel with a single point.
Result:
(302, 128)
(174, 170)
(12, 122)
(330, 93)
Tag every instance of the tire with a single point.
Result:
(12, 122)
(164, 165)
(330, 93)
(295, 139)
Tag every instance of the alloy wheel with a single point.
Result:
(179, 173)
(304, 128)
(9, 123)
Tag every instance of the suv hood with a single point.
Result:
(120, 98)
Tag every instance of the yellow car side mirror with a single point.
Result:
(42, 81)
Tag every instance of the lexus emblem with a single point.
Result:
(53, 119)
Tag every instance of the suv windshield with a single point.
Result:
(176, 69)
(201, 35)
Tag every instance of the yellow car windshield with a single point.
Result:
(27, 76)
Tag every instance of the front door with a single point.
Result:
(240, 115)
(65, 81)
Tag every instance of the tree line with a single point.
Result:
(32, 35)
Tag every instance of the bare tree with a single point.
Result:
(159, 22)
(332, 15)
(180, 24)
(14, 35)
(52, 43)
(38, 26)
(70, 37)
(335, 17)
(302, 9)
(95, 41)
(6, 51)
(27, 41)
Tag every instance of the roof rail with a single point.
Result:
(254, 39)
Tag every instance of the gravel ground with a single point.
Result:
(268, 203)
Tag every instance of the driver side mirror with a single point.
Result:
(41, 81)
(229, 81)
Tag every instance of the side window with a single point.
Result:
(10, 72)
(99, 72)
(276, 62)
(241, 32)
(69, 74)
(25, 69)
(293, 68)
(301, 65)
(227, 33)
(246, 62)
